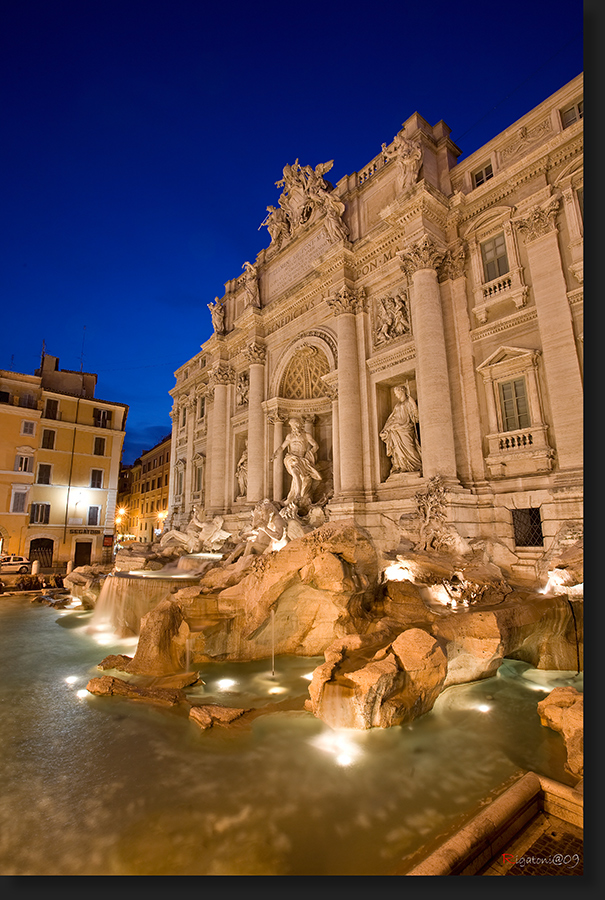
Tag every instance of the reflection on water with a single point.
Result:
(99, 786)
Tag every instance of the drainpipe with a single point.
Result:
(71, 466)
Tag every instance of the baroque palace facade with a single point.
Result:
(421, 318)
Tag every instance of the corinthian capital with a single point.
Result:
(221, 374)
(421, 255)
(539, 221)
(255, 353)
(347, 301)
(453, 262)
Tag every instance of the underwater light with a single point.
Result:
(225, 683)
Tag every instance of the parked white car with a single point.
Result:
(15, 564)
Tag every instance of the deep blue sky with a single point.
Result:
(140, 143)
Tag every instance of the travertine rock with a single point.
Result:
(107, 685)
(400, 681)
(157, 653)
(563, 711)
(211, 714)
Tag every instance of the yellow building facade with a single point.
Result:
(143, 501)
(60, 450)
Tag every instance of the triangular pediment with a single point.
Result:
(507, 355)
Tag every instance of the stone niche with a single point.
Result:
(385, 404)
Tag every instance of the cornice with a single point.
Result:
(505, 324)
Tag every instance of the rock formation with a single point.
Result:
(563, 711)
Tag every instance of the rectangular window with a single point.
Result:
(94, 515)
(5, 397)
(24, 463)
(483, 175)
(183, 417)
(19, 498)
(495, 260)
(99, 446)
(28, 427)
(96, 478)
(201, 410)
(48, 439)
(165, 480)
(513, 403)
(527, 527)
(102, 418)
(199, 478)
(39, 513)
(27, 400)
(51, 410)
(572, 113)
(580, 196)
(152, 505)
(43, 474)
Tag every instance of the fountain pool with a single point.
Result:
(105, 786)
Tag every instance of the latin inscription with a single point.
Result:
(283, 274)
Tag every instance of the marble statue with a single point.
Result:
(399, 433)
(198, 535)
(242, 387)
(241, 473)
(267, 531)
(218, 316)
(277, 224)
(251, 294)
(408, 157)
(305, 195)
(299, 462)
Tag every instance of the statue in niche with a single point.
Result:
(241, 473)
(299, 462)
(399, 433)
(392, 319)
(408, 157)
(251, 294)
(217, 311)
(242, 386)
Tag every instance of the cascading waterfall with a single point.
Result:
(128, 596)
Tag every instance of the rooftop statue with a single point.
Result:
(306, 195)
(218, 316)
(408, 157)
(251, 294)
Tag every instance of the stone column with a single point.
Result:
(189, 486)
(345, 305)
(174, 415)
(256, 354)
(277, 420)
(471, 433)
(561, 365)
(420, 263)
(220, 379)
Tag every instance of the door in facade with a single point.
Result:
(82, 554)
(42, 550)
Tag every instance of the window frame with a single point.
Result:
(100, 472)
(48, 431)
(483, 174)
(98, 441)
(45, 466)
(34, 513)
(97, 508)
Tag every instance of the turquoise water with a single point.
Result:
(104, 786)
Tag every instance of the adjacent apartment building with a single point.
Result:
(60, 450)
(143, 497)
(423, 291)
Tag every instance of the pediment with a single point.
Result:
(508, 355)
(496, 214)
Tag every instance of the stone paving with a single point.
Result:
(546, 846)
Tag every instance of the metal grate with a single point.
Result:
(527, 527)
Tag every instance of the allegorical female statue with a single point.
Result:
(399, 433)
